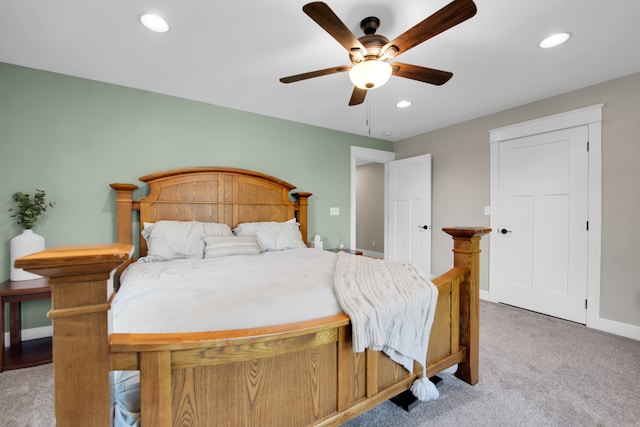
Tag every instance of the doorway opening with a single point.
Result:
(361, 156)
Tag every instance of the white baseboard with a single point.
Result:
(32, 334)
(605, 325)
(618, 328)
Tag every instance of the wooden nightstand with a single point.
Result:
(349, 251)
(21, 354)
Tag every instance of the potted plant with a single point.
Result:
(27, 212)
(29, 209)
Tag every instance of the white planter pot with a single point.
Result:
(25, 244)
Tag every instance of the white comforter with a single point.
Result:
(233, 292)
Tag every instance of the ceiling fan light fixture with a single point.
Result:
(370, 74)
(154, 23)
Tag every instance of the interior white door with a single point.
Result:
(543, 214)
(409, 211)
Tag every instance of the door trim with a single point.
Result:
(592, 117)
(365, 155)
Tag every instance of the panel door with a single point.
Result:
(543, 190)
(409, 210)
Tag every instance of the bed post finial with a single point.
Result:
(302, 200)
(466, 254)
(124, 204)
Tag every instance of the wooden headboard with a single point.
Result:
(213, 194)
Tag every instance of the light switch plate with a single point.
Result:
(334, 211)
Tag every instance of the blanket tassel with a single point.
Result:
(408, 401)
(424, 389)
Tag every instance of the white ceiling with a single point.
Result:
(232, 54)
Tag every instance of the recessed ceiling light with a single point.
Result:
(554, 40)
(404, 104)
(386, 133)
(154, 23)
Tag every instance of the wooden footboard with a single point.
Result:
(288, 375)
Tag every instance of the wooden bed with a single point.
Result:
(286, 375)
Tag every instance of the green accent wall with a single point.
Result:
(72, 137)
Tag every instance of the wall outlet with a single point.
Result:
(373, 243)
(334, 211)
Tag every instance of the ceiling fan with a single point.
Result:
(369, 53)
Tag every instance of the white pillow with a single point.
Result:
(273, 236)
(167, 240)
(218, 246)
(216, 229)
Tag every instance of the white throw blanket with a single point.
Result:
(391, 307)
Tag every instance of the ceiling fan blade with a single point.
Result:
(357, 96)
(449, 16)
(317, 73)
(422, 74)
(329, 21)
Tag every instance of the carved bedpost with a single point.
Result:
(78, 279)
(303, 203)
(124, 202)
(466, 253)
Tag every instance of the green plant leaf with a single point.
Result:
(29, 209)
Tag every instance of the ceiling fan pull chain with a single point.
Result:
(369, 114)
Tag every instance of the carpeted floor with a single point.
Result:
(26, 397)
(534, 371)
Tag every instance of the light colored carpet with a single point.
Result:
(534, 371)
(26, 397)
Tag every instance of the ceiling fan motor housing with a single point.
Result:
(373, 43)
